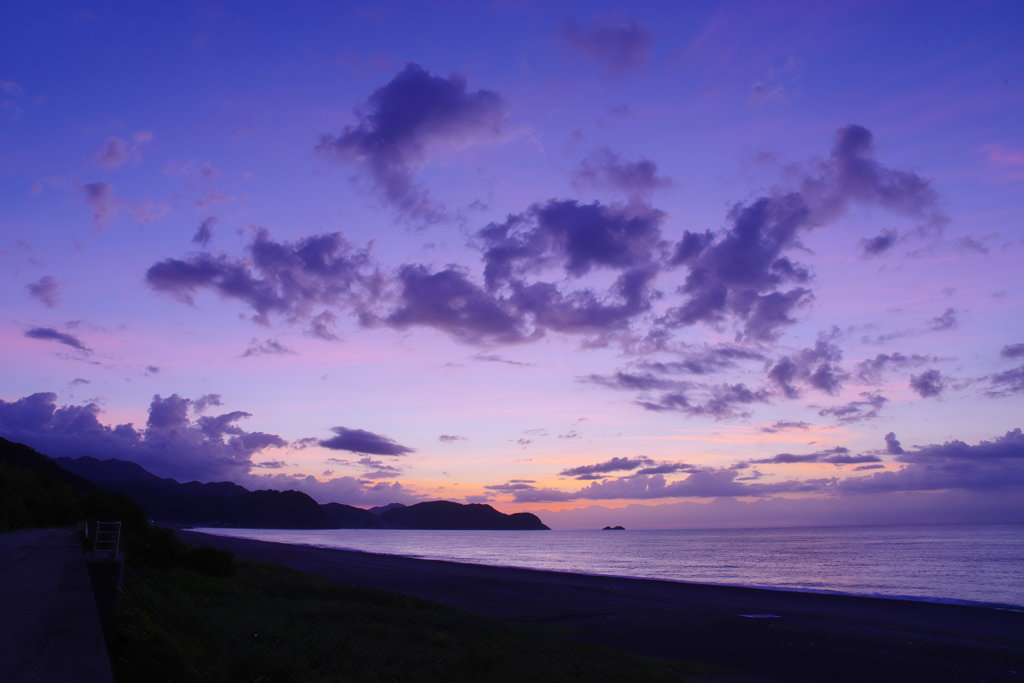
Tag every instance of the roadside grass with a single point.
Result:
(270, 624)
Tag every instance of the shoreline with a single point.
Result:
(768, 634)
(988, 604)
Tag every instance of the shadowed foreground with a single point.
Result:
(767, 635)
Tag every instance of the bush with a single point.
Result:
(210, 561)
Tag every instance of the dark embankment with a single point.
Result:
(768, 635)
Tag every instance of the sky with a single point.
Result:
(655, 264)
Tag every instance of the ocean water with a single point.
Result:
(948, 563)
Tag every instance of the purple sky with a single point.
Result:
(703, 263)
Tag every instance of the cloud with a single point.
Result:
(495, 358)
(613, 465)
(879, 244)
(718, 401)
(1012, 351)
(872, 370)
(605, 170)
(403, 121)
(270, 464)
(270, 347)
(703, 483)
(204, 233)
(50, 334)
(706, 360)
(46, 291)
(446, 300)
(105, 204)
(946, 321)
(742, 273)
(867, 408)
(814, 366)
(617, 44)
(288, 279)
(450, 438)
(378, 469)
(986, 466)
(851, 174)
(839, 455)
(928, 383)
(119, 151)
(892, 444)
(577, 237)
(512, 486)
(348, 490)
(785, 425)
(363, 442)
(100, 196)
(171, 444)
(200, 404)
(1006, 383)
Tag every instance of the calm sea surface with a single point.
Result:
(958, 563)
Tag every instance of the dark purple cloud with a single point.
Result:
(742, 273)
(286, 279)
(879, 244)
(892, 444)
(702, 483)
(718, 401)
(606, 170)
(269, 347)
(927, 384)
(872, 370)
(495, 358)
(46, 291)
(852, 175)
(616, 464)
(50, 334)
(946, 321)
(666, 468)
(100, 196)
(449, 438)
(1012, 351)
(270, 464)
(403, 121)
(513, 486)
(204, 233)
(867, 408)
(171, 444)
(620, 45)
(989, 465)
(704, 361)
(577, 237)
(630, 381)
(200, 404)
(839, 455)
(1006, 383)
(448, 301)
(785, 425)
(583, 311)
(378, 469)
(363, 442)
(815, 366)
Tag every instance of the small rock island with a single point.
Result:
(614, 528)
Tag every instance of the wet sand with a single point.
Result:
(760, 634)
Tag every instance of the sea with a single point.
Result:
(968, 564)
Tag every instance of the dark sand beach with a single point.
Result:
(760, 634)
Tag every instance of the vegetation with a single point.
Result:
(270, 624)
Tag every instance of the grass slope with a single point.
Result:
(271, 624)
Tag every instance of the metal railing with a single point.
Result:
(107, 539)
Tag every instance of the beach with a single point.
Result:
(759, 634)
